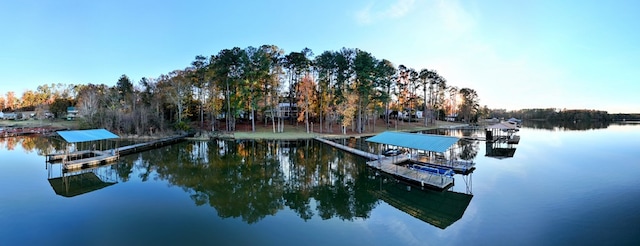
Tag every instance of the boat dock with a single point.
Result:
(87, 158)
(389, 165)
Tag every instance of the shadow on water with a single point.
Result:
(440, 209)
(78, 184)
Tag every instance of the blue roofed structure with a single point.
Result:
(428, 142)
(78, 136)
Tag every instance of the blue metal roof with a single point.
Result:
(86, 135)
(428, 142)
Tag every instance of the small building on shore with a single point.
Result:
(72, 113)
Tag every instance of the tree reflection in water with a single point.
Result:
(254, 179)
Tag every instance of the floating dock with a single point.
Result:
(97, 158)
(389, 165)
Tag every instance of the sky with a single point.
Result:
(515, 54)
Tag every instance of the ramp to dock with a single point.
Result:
(364, 154)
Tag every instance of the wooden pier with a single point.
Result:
(129, 149)
(364, 154)
(389, 165)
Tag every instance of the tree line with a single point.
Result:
(347, 89)
(553, 114)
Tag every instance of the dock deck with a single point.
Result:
(100, 158)
(388, 164)
(458, 166)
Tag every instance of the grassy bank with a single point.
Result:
(57, 123)
(291, 132)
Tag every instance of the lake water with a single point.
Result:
(561, 187)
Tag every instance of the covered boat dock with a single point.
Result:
(387, 164)
(88, 145)
(502, 132)
(89, 148)
(425, 149)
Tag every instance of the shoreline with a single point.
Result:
(292, 132)
(295, 134)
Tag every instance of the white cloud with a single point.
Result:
(369, 14)
(454, 18)
(399, 9)
(363, 16)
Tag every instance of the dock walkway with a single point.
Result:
(389, 165)
(129, 149)
(364, 154)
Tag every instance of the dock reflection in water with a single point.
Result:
(440, 209)
(71, 184)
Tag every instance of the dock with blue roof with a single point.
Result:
(93, 156)
(432, 177)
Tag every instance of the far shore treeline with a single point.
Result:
(558, 115)
(344, 90)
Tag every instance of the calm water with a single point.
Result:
(560, 187)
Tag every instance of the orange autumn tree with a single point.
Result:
(306, 98)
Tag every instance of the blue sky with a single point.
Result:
(516, 54)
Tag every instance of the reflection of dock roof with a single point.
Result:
(74, 185)
(86, 135)
(500, 153)
(428, 142)
(440, 209)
